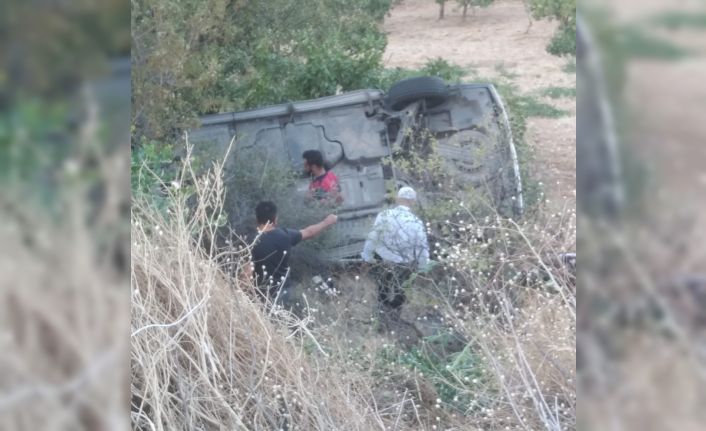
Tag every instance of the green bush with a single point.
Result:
(570, 66)
(443, 69)
(449, 72)
(531, 107)
(559, 92)
(679, 20)
(32, 123)
(151, 169)
(564, 11)
(637, 43)
(564, 40)
(76, 40)
(198, 57)
(455, 376)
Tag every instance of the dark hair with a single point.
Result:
(314, 157)
(266, 211)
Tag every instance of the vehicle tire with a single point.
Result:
(430, 88)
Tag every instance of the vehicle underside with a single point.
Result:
(362, 133)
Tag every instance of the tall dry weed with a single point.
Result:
(64, 302)
(205, 353)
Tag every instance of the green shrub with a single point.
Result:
(680, 20)
(152, 171)
(532, 107)
(77, 38)
(502, 71)
(455, 377)
(563, 41)
(198, 57)
(27, 141)
(637, 43)
(570, 66)
(559, 92)
(449, 72)
(564, 11)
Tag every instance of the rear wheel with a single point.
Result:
(431, 89)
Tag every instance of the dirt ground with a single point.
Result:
(666, 100)
(494, 42)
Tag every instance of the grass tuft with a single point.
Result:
(638, 44)
(559, 92)
(570, 66)
(680, 20)
(532, 107)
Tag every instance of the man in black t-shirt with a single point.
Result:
(270, 254)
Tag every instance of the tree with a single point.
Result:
(564, 11)
(528, 11)
(473, 3)
(442, 4)
(195, 57)
(69, 41)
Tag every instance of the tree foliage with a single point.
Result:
(47, 47)
(194, 57)
(564, 11)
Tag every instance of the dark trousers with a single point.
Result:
(390, 277)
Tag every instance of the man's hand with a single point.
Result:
(330, 219)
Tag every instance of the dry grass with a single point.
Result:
(517, 307)
(63, 305)
(642, 344)
(207, 355)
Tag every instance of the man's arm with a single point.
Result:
(315, 229)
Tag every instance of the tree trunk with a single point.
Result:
(528, 11)
(465, 9)
(441, 9)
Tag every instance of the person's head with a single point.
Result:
(313, 161)
(406, 196)
(266, 212)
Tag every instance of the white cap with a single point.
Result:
(407, 193)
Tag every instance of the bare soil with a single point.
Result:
(495, 42)
(667, 137)
(665, 133)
